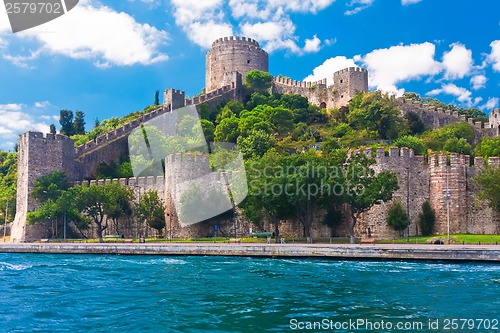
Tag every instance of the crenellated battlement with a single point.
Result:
(437, 117)
(143, 182)
(45, 136)
(350, 70)
(234, 40)
(119, 132)
(208, 96)
(300, 84)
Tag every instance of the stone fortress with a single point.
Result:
(226, 65)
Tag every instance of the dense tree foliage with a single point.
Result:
(8, 179)
(489, 182)
(151, 210)
(258, 80)
(397, 218)
(427, 219)
(488, 147)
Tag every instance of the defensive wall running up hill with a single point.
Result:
(227, 63)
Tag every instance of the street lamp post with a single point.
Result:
(5, 222)
(447, 199)
(408, 202)
(65, 225)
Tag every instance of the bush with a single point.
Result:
(412, 142)
(427, 219)
(397, 218)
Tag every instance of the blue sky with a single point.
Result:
(107, 58)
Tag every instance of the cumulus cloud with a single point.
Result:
(390, 66)
(18, 118)
(95, 32)
(312, 45)
(478, 82)
(494, 57)
(329, 67)
(268, 21)
(463, 95)
(409, 2)
(491, 104)
(457, 62)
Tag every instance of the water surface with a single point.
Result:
(105, 293)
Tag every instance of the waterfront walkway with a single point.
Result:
(338, 251)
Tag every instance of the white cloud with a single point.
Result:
(312, 45)
(463, 95)
(96, 32)
(491, 104)
(266, 31)
(18, 118)
(358, 5)
(478, 82)
(388, 67)
(409, 2)
(329, 67)
(494, 57)
(457, 62)
(267, 21)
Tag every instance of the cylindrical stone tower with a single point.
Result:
(233, 54)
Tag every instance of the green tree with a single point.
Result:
(257, 143)
(281, 119)
(53, 129)
(412, 142)
(258, 81)
(96, 122)
(415, 123)
(227, 130)
(489, 182)
(66, 121)
(450, 136)
(79, 123)
(58, 210)
(208, 130)
(397, 218)
(427, 219)
(456, 145)
(362, 188)
(97, 202)
(266, 195)
(488, 147)
(373, 111)
(8, 184)
(157, 98)
(50, 186)
(151, 210)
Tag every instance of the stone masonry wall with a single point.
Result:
(39, 155)
(233, 54)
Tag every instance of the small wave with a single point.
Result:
(11, 267)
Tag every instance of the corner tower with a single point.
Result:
(233, 54)
(38, 155)
(347, 82)
(495, 121)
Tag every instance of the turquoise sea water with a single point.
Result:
(86, 293)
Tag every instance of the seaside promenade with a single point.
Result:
(487, 253)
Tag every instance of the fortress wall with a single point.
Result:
(346, 82)
(413, 179)
(108, 152)
(481, 219)
(39, 155)
(233, 54)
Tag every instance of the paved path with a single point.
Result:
(340, 251)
